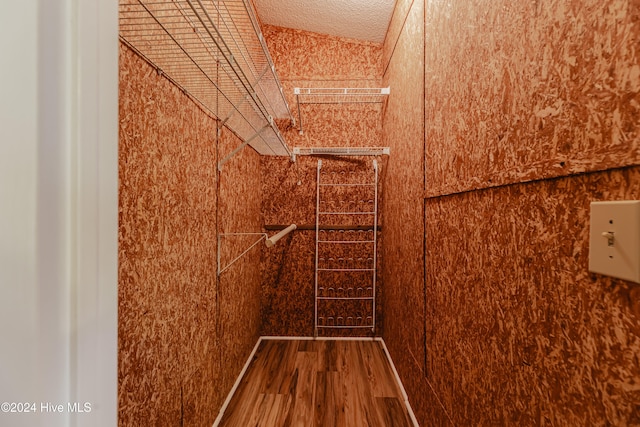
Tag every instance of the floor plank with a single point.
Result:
(303, 401)
(392, 411)
(318, 383)
(329, 400)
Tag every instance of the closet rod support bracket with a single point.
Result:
(241, 146)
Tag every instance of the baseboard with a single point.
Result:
(255, 349)
(288, 338)
(236, 384)
(404, 392)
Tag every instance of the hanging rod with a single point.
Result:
(215, 52)
(269, 241)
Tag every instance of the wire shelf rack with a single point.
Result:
(342, 95)
(330, 97)
(345, 277)
(214, 50)
(341, 151)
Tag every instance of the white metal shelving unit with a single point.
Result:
(214, 51)
(338, 96)
(340, 151)
(345, 286)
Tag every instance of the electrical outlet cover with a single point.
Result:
(614, 239)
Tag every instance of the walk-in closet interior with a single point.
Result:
(439, 180)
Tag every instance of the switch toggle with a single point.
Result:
(614, 239)
(609, 236)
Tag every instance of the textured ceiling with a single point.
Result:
(356, 19)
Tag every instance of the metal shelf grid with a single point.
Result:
(342, 95)
(341, 151)
(215, 52)
(332, 96)
(356, 275)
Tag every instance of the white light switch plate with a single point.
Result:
(614, 239)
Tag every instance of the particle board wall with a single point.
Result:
(403, 131)
(305, 59)
(531, 112)
(529, 90)
(288, 282)
(396, 27)
(518, 331)
(303, 55)
(239, 287)
(180, 343)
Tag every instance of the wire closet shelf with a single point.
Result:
(341, 95)
(214, 50)
(337, 96)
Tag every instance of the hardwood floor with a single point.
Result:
(317, 383)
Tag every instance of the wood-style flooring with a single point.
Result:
(317, 383)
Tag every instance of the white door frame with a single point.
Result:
(59, 211)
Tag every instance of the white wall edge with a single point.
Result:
(94, 297)
(237, 383)
(404, 392)
(290, 338)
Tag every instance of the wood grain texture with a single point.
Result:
(318, 383)
(518, 331)
(239, 287)
(167, 231)
(303, 55)
(182, 338)
(403, 231)
(306, 59)
(520, 91)
(396, 27)
(540, 91)
(288, 270)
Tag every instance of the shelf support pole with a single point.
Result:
(241, 146)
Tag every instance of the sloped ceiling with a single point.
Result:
(355, 19)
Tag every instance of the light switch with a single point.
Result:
(614, 239)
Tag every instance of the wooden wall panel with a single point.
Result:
(395, 29)
(305, 59)
(288, 286)
(524, 103)
(347, 125)
(166, 244)
(302, 55)
(518, 331)
(239, 289)
(519, 91)
(403, 124)
(290, 197)
(182, 337)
